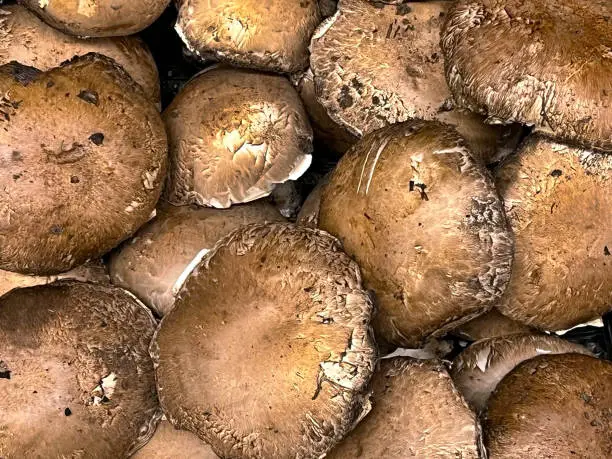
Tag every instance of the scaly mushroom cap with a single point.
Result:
(559, 204)
(82, 159)
(479, 369)
(416, 412)
(26, 39)
(170, 443)
(423, 220)
(75, 374)
(544, 63)
(490, 325)
(379, 64)
(233, 135)
(309, 213)
(155, 263)
(552, 406)
(98, 18)
(271, 35)
(287, 354)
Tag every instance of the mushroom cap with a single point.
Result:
(170, 443)
(424, 222)
(288, 350)
(78, 377)
(155, 263)
(271, 35)
(562, 410)
(98, 18)
(416, 412)
(480, 368)
(233, 135)
(82, 156)
(559, 205)
(544, 63)
(29, 41)
(309, 213)
(490, 325)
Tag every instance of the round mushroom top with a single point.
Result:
(490, 325)
(233, 135)
(416, 412)
(271, 35)
(268, 350)
(562, 409)
(82, 159)
(478, 369)
(29, 41)
(170, 443)
(98, 18)
(155, 263)
(544, 63)
(424, 222)
(559, 205)
(75, 374)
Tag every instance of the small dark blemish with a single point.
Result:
(56, 229)
(345, 100)
(606, 251)
(367, 216)
(16, 176)
(5, 373)
(411, 185)
(402, 8)
(89, 96)
(67, 412)
(327, 320)
(50, 84)
(358, 85)
(74, 179)
(557, 173)
(97, 138)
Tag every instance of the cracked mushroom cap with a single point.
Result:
(559, 205)
(288, 353)
(155, 263)
(416, 412)
(545, 63)
(562, 410)
(26, 39)
(82, 160)
(480, 368)
(271, 35)
(424, 222)
(171, 443)
(75, 375)
(233, 135)
(490, 325)
(98, 18)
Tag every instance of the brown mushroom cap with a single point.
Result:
(26, 39)
(170, 443)
(98, 18)
(287, 354)
(479, 369)
(154, 264)
(543, 63)
(77, 377)
(490, 325)
(233, 135)
(271, 35)
(416, 412)
(559, 204)
(423, 220)
(82, 159)
(309, 213)
(552, 406)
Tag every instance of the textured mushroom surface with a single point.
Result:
(98, 18)
(559, 204)
(544, 63)
(82, 160)
(233, 135)
(309, 213)
(552, 406)
(478, 369)
(271, 35)
(416, 412)
(287, 354)
(424, 222)
(170, 443)
(155, 263)
(76, 376)
(26, 39)
(490, 325)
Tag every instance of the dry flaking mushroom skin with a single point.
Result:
(559, 205)
(423, 220)
(26, 39)
(82, 159)
(552, 406)
(490, 325)
(233, 135)
(287, 354)
(154, 264)
(170, 443)
(478, 369)
(98, 18)
(544, 63)
(271, 35)
(79, 377)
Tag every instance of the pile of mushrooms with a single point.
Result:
(357, 229)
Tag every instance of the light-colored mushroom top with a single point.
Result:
(490, 325)
(171, 443)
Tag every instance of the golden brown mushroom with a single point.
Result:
(490, 325)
